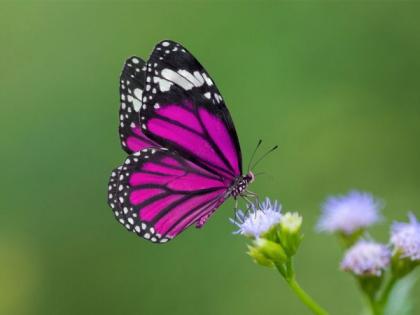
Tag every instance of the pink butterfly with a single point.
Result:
(185, 159)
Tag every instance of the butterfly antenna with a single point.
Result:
(268, 175)
(264, 155)
(253, 153)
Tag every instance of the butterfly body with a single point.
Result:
(240, 184)
(184, 155)
(238, 188)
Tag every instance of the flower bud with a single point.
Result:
(401, 265)
(270, 250)
(289, 232)
(370, 284)
(259, 257)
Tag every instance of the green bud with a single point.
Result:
(271, 250)
(290, 232)
(401, 266)
(291, 222)
(259, 257)
(370, 284)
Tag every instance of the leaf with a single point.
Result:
(400, 301)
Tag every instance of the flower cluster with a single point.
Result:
(405, 238)
(349, 213)
(366, 258)
(348, 217)
(258, 219)
(275, 236)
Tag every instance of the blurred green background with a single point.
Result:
(335, 84)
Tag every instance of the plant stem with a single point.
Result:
(383, 300)
(374, 306)
(305, 298)
(377, 304)
(297, 289)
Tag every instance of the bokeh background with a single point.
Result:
(334, 84)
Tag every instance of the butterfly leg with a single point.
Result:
(252, 194)
(235, 207)
(249, 201)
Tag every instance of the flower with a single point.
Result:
(405, 237)
(349, 213)
(258, 219)
(291, 222)
(366, 258)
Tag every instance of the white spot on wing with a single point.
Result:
(176, 78)
(194, 79)
(164, 85)
(136, 105)
(207, 79)
(218, 97)
(199, 77)
(138, 93)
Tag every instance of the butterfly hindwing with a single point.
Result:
(182, 110)
(132, 83)
(157, 194)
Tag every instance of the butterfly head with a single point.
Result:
(250, 177)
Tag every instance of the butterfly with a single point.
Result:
(184, 155)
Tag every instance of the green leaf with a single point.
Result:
(400, 300)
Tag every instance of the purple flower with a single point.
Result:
(258, 220)
(366, 258)
(405, 237)
(349, 213)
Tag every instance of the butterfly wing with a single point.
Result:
(158, 193)
(182, 110)
(132, 82)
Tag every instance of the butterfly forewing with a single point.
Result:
(158, 193)
(182, 110)
(132, 83)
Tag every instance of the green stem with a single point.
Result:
(377, 304)
(383, 300)
(297, 289)
(374, 306)
(305, 298)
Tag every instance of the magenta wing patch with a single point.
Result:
(132, 82)
(157, 194)
(183, 111)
